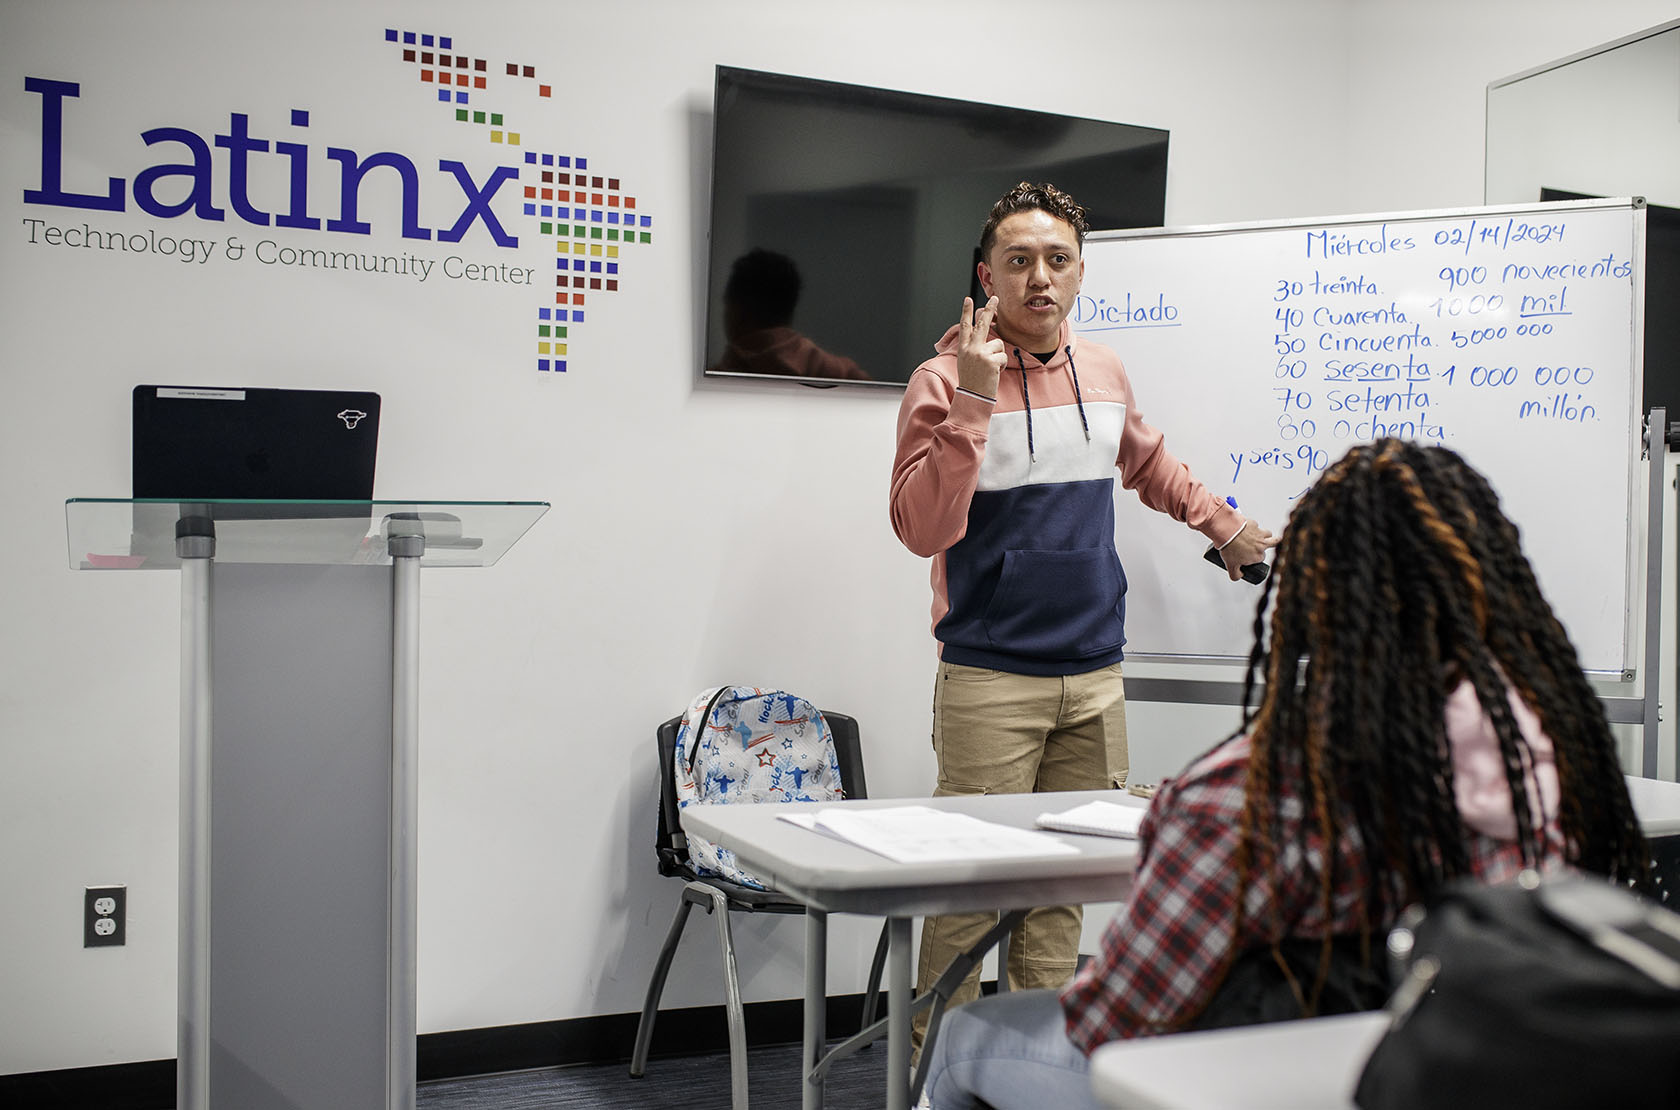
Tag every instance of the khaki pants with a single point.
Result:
(1001, 733)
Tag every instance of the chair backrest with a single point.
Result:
(673, 847)
(848, 752)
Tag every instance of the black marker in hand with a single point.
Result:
(1254, 573)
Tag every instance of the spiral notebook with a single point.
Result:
(1097, 819)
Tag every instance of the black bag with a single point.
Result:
(1256, 990)
(1535, 994)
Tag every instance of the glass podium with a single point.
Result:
(299, 779)
(112, 534)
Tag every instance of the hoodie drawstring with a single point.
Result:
(1026, 398)
(1077, 399)
(1026, 401)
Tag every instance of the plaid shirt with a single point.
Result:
(1163, 952)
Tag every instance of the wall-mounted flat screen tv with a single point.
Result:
(845, 220)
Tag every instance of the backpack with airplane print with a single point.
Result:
(746, 744)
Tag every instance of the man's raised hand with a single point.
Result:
(980, 356)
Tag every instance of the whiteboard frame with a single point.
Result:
(1641, 524)
(1418, 216)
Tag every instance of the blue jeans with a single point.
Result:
(1011, 1050)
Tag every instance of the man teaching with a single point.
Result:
(1008, 440)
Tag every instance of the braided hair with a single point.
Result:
(1399, 577)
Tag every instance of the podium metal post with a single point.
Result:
(195, 545)
(402, 969)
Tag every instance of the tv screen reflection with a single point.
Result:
(845, 220)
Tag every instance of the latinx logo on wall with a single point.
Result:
(244, 150)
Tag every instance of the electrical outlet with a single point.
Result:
(104, 916)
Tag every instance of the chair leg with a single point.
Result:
(656, 987)
(1003, 962)
(737, 1017)
(940, 993)
(872, 992)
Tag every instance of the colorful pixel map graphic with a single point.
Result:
(588, 216)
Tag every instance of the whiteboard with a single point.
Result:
(1265, 351)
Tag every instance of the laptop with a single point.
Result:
(203, 443)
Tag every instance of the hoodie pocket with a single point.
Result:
(1058, 604)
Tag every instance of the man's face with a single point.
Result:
(1035, 270)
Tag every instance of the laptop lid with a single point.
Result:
(203, 442)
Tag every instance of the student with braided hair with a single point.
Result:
(1423, 717)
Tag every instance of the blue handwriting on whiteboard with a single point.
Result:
(1097, 314)
(1497, 235)
(1328, 244)
(1412, 370)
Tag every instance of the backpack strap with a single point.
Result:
(705, 719)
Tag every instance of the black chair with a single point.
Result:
(720, 897)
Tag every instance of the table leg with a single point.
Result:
(816, 1007)
(898, 1013)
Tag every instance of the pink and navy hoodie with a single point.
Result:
(1014, 500)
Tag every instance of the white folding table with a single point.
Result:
(832, 876)
(1312, 1064)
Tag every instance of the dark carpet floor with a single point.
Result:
(680, 1083)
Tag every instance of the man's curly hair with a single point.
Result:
(1026, 197)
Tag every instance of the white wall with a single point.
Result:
(544, 676)
(1607, 124)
